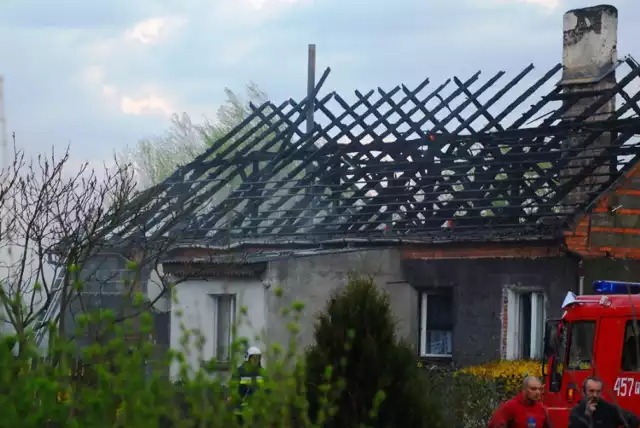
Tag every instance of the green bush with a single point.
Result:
(119, 381)
(357, 373)
(356, 344)
(469, 400)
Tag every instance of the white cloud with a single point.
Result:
(268, 4)
(154, 30)
(151, 104)
(109, 91)
(234, 53)
(547, 4)
(150, 31)
(94, 75)
(251, 12)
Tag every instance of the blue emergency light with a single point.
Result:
(615, 287)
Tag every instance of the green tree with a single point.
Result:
(382, 387)
(155, 158)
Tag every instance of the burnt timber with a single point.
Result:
(463, 161)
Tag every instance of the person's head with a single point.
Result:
(592, 389)
(254, 356)
(532, 388)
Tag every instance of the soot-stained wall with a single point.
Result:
(478, 285)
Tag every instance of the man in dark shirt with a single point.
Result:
(593, 411)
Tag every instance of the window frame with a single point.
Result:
(570, 340)
(515, 343)
(112, 279)
(422, 318)
(215, 299)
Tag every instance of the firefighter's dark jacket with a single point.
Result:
(606, 415)
(248, 379)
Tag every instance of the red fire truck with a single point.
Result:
(596, 336)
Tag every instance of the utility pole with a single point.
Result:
(3, 128)
(4, 165)
(5, 256)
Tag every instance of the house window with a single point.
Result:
(525, 324)
(224, 313)
(436, 324)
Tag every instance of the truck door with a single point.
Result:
(573, 364)
(618, 362)
(581, 346)
(553, 361)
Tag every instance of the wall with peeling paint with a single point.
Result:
(590, 37)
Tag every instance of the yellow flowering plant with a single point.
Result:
(510, 373)
(472, 394)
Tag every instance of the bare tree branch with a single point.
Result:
(55, 238)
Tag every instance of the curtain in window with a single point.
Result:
(439, 334)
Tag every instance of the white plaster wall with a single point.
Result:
(9, 279)
(155, 287)
(197, 313)
(590, 48)
(312, 280)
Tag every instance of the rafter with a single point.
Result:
(441, 163)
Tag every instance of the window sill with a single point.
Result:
(431, 361)
(218, 366)
(438, 356)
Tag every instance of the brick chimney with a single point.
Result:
(589, 56)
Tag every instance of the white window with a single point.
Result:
(436, 323)
(224, 314)
(525, 324)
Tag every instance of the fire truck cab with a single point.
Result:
(598, 335)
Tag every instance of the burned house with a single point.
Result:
(477, 203)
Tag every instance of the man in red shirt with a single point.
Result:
(524, 410)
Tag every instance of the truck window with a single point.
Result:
(550, 338)
(583, 335)
(630, 345)
(557, 368)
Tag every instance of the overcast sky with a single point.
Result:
(102, 75)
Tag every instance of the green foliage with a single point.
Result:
(157, 157)
(122, 381)
(507, 373)
(357, 374)
(467, 400)
(356, 343)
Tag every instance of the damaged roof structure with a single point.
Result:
(470, 160)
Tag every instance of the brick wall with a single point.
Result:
(613, 228)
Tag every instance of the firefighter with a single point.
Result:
(594, 411)
(249, 377)
(524, 410)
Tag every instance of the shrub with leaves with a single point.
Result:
(468, 401)
(508, 373)
(356, 345)
(119, 382)
(472, 394)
